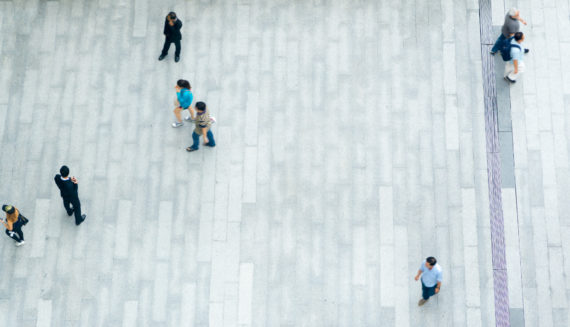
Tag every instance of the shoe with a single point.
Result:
(82, 219)
(492, 53)
(176, 58)
(509, 80)
(421, 302)
(20, 243)
(189, 118)
(190, 149)
(162, 56)
(177, 124)
(526, 50)
(69, 213)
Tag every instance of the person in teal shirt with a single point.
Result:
(183, 101)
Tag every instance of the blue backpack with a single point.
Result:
(506, 49)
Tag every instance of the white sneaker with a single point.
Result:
(189, 118)
(177, 124)
(21, 243)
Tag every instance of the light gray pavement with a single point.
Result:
(351, 145)
(536, 207)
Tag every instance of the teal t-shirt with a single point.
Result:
(185, 98)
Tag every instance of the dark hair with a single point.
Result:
(200, 106)
(518, 36)
(172, 15)
(64, 171)
(183, 83)
(431, 261)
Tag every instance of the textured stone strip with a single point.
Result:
(500, 285)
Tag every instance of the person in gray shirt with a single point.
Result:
(510, 27)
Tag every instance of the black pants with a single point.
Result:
(76, 208)
(166, 46)
(428, 292)
(17, 234)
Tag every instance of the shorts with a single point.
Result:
(177, 104)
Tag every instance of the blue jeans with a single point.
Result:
(428, 291)
(498, 43)
(196, 140)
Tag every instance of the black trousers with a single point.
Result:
(17, 234)
(76, 208)
(166, 46)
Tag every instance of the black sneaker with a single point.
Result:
(526, 50)
(509, 80)
(190, 149)
(177, 58)
(161, 57)
(492, 53)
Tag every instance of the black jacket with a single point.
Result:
(173, 32)
(67, 189)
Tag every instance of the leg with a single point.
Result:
(18, 230)
(211, 141)
(195, 141)
(165, 47)
(177, 44)
(498, 43)
(66, 205)
(509, 68)
(13, 235)
(177, 113)
(77, 210)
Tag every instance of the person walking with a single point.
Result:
(13, 223)
(172, 26)
(431, 275)
(203, 124)
(515, 66)
(68, 191)
(183, 101)
(510, 27)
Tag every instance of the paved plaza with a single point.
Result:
(351, 144)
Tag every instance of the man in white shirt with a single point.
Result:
(515, 66)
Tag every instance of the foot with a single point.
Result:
(526, 50)
(20, 243)
(421, 302)
(82, 220)
(69, 213)
(492, 53)
(177, 124)
(162, 56)
(189, 118)
(190, 149)
(177, 58)
(509, 80)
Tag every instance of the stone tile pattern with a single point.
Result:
(500, 279)
(351, 145)
(540, 120)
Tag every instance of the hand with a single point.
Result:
(436, 290)
(523, 21)
(417, 277)
(206, 141)
(74, 180)
(516, 71)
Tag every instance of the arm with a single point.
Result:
(179, 24)
(418, 275)
(437, 287)
(516, 64)
(205, 134)
(165, 27)
(521, 20)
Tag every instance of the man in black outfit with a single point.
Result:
(172, 27)
(68, 190)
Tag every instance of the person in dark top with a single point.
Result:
(68, 191)
(172, 26)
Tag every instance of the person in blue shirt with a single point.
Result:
(515, 66)
(183, 101)
(431, 279)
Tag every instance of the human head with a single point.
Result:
(200, 106)
(8, 209)
(430, 262)
(513, 12)
(519, 36)
(183, 84)
(171, 15)
(64, 171)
